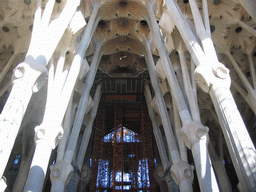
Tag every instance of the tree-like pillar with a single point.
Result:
(45, 142)
(195, 136)
(83, 103)
(88, 129)
(82, 150)
(238, 140)
(62, 169)
(219, 169)
(24, 77)
(199, 148)
(182, 178)
(183, 175)
(213, 78)
(31, 74)
(173, 149)
(159, 141)
(157, 133)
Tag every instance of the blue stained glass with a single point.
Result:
(105, 174)
(128, 136)
(16, 160)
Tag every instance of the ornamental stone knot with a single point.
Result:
(61, 171)
(207, 75)
(193, 132)
(31, 72)
(182, 171)
(50, 133)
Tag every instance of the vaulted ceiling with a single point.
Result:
(121, 26)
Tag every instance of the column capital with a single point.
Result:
(207, 75)
(193, 132)
(182, 171)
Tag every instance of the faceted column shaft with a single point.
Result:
(157, 133)
(184, 177)
(83, 103)
(216, 77)
(29, 71)
(219, 169)
(26, 159)
(197, 141)
(238, 140)
(196, 117)
(58, 110)
(88, 129)
(172, 80)
(173, 149)
(14, 110)
(35, 179)
(46, 138)
(78, 60)
(189, 38)
(59, 180)
(158, 138)
(194, 109)
(86, 136)
(203, 34)
(181, 144)
(68, 120)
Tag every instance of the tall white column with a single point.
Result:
(39, 165)
(241, 148)
(182, 172)
(88, 129)
(25, 76)
(85, 171)
(168, 68)
(193, 132)
(172, 146)
(28, 72)
(26, 159)
(219, 168)
(159, 141)
(62, 169)
(157, 133)
(83, 104)
(214, 79)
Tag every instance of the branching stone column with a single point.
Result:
(183, 175)
(85, 170)
(214, 79)
(60, 168)
(31, 72)
(46, 140)
(238, 140)
(88, 129)
(183, 179)
(195, 137)
(219, 168)
(199, 148)
(159, 140)
(24, 77)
